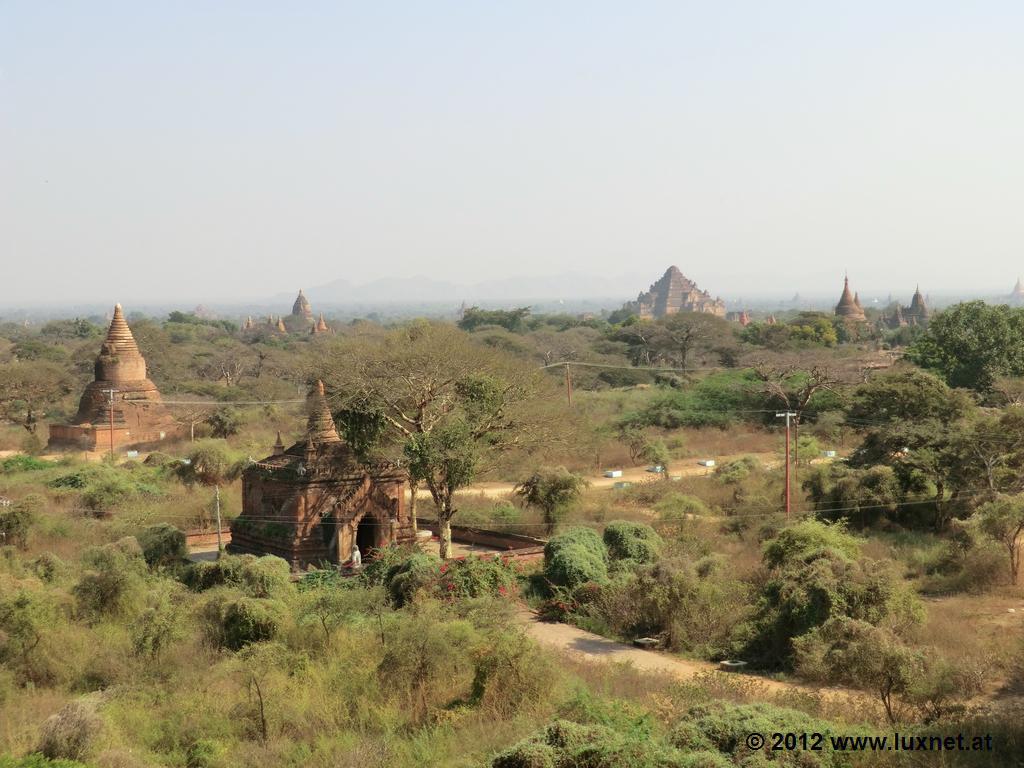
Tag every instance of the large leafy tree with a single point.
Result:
(973, 344)
(551, 490)
(1003, 520)
(910, 420)
(28, 389)
(429, 395)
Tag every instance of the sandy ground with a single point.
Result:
(687, 468)
(594, 648)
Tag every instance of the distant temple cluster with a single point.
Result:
(121, 406)
(673, 293)
(850, 309)
(299, 321)
(313, 502)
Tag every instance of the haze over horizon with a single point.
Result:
(241, 151)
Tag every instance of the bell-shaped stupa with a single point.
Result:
(122, 389)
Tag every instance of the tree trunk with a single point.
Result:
(413, 488)
(263, 712)
(444, 532)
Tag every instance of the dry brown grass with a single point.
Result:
(976, 629)
(21, 715)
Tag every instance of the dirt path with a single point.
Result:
(689, 468)
(594, 648)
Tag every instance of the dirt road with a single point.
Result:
(594, 648)
(687, 468)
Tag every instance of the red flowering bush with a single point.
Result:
(476, 577)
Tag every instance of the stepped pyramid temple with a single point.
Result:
(673, 293)
(139, 416)
(849, 307)
(311, 502)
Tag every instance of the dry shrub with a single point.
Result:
(119, 758)
(729, 687)
(511, 674)
(70, 733)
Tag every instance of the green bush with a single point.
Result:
(575, 557)
(110, 580)
(714, 401)
(162, 544)
(210, 462)
(47, 567)
(476, 577)
(104, 488)
(378, 571)
(22, 463)
(233, 622)
(726, 727)
(631, 541)
(266, 576)
(808, 540)
(678, 506)
(736, 471)
(225, 422)
(408, 577)
(564, 743)
(527, 754)
(17, 519)
(815, 575)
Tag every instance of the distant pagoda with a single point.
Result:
(916, 314)
(673, 293)
(121, 405)
(1016, 296)
(849, 307)
(320, 326)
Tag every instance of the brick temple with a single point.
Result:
(672, 293)
(309, 503)
(849, 307)
(121, 405)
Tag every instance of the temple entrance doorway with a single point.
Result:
(368, 536)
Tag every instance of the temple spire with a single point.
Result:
(321, 427)
(119, 335)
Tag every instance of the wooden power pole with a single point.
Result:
(788, 416)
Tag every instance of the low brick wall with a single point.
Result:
(207, 538)
(486, 538)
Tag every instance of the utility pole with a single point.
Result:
(216, 498)
(568, 385)
(110, 403)
(788, 415)
(796, 452)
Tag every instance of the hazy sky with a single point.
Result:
(197, 149)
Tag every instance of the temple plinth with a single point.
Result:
(120, 389)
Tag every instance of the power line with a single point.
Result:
(216, 403)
